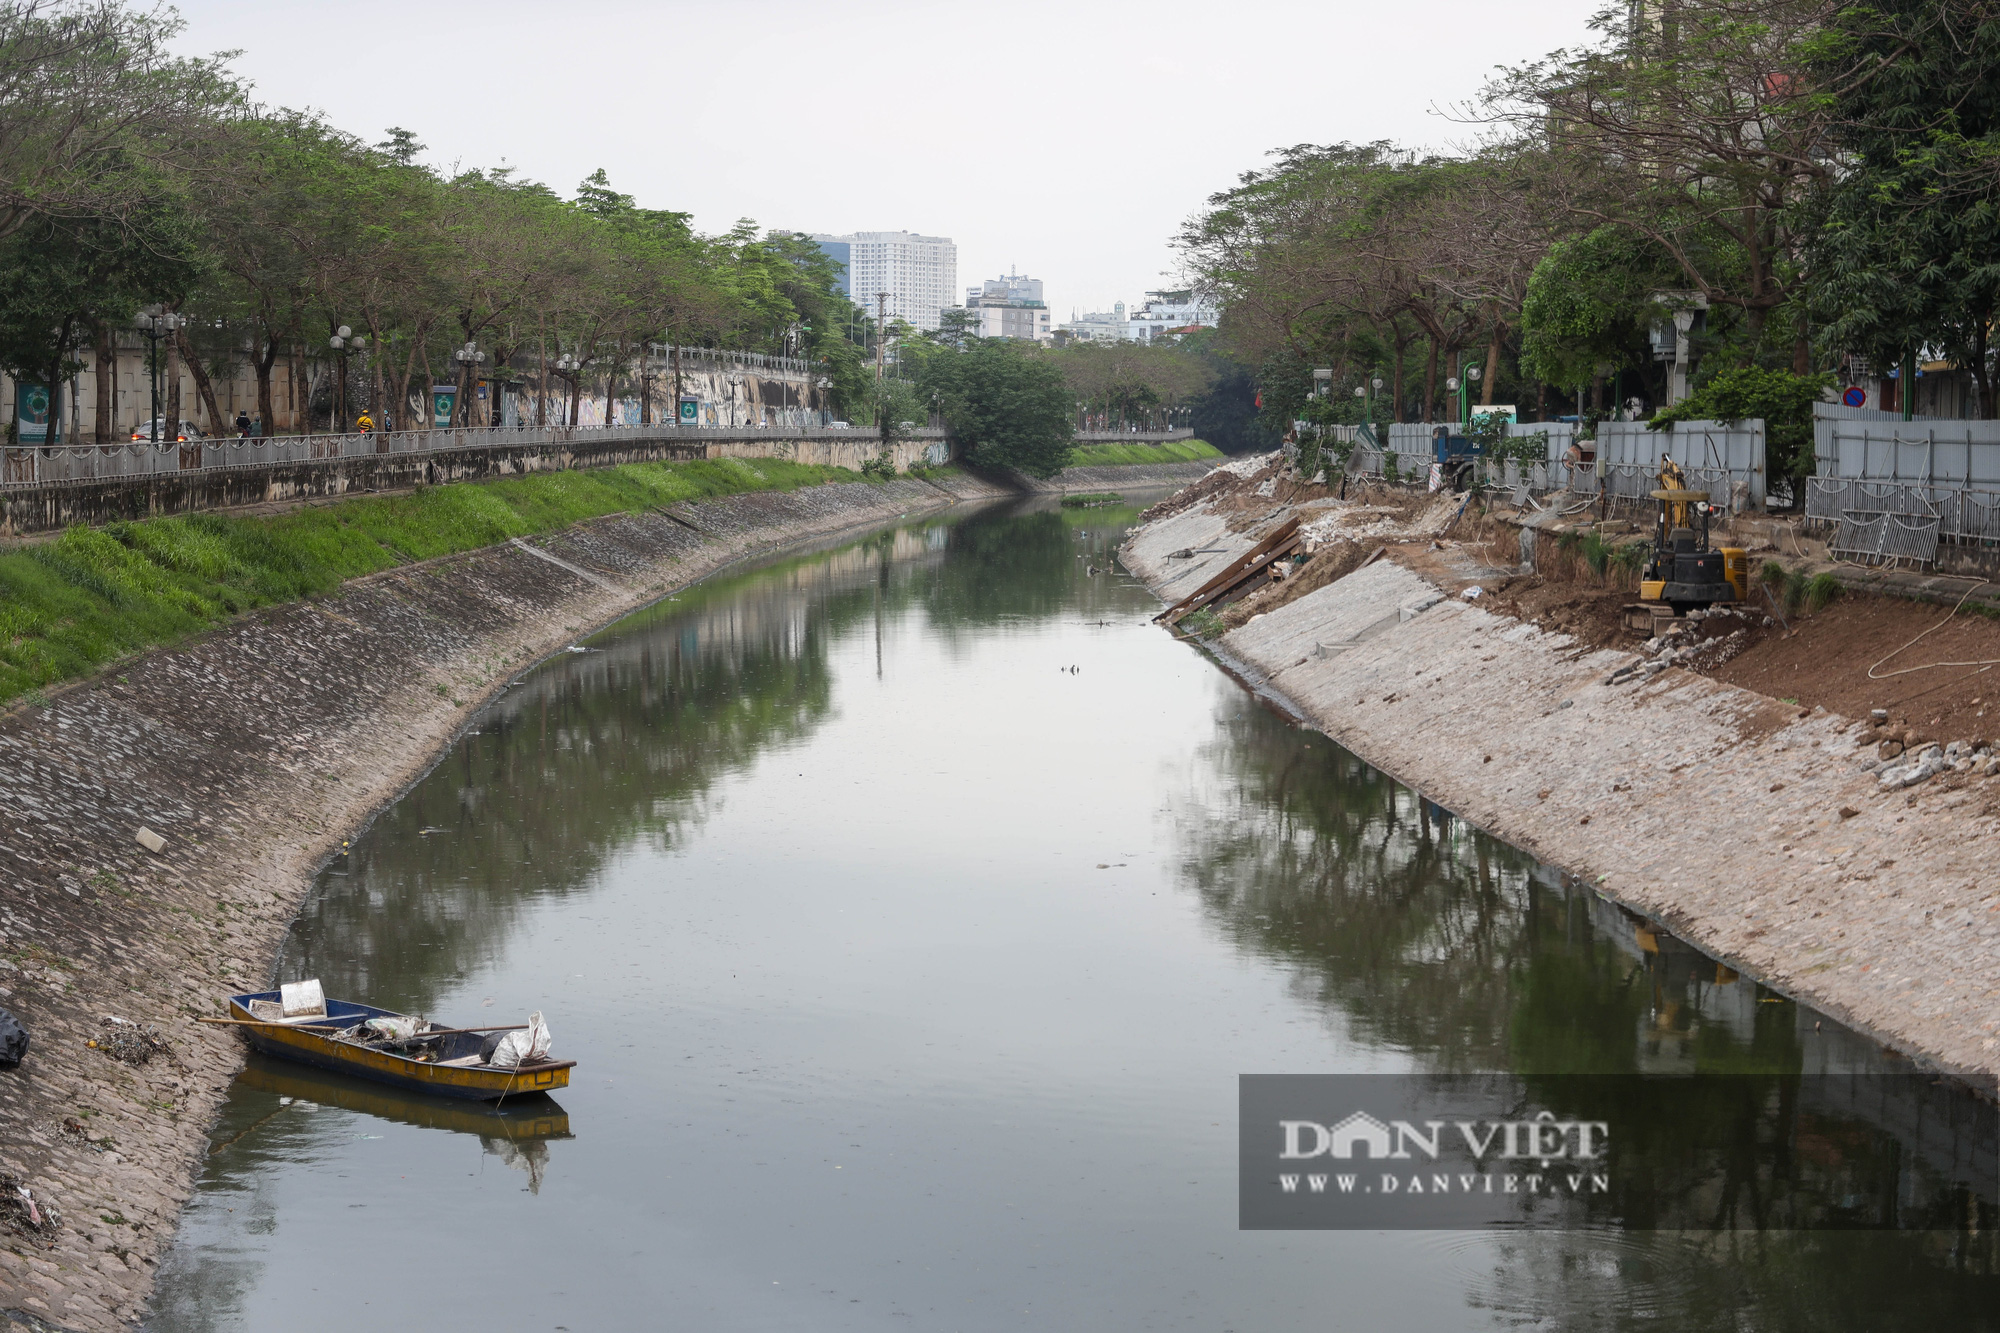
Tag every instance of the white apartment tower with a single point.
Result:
(920, 273)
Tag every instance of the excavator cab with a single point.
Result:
(1683, 571)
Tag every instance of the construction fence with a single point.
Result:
(1891, 491)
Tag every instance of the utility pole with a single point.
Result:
(881, 332)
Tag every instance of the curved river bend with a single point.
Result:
(911, 909)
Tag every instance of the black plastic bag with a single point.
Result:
(13, 1040)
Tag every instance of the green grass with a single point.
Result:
(1110, 455)
(92, 596)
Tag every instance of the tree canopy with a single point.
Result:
(1004, 405)
(131, 177)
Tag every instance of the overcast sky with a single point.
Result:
(1066, 140)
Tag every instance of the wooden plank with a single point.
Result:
(1280, 541)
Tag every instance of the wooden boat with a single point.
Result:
(447, 1066)
(524, 1118)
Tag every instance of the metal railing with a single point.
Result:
(1961, 515)
(1132, 436)
(44, 465)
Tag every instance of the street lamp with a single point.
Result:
(343, 341)
(568, 368)
(1463, 388)
(156, 324)
(469, 357)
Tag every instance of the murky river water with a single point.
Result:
(911, 909)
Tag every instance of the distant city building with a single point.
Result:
(1169, 315)
(1009, 307)
(1100, 327)
(920, 273)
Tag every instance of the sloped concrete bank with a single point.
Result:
(1742, 822)
(252, 752)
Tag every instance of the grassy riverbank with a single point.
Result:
(92, 596)
(1173, 451)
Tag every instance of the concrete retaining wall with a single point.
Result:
(1743, 823)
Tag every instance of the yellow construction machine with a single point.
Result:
(1683, 572)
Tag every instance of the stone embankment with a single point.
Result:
(1751, 826)
(250, 753)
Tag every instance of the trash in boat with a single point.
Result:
(399, 1028)
(522, 1048)
(13, 1040)
(403, 1049)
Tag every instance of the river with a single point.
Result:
(911, 909)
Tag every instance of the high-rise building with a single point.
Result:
(919, 273)
(1009, 307)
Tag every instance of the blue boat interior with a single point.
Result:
(345, 1013)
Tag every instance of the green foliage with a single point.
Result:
(1900, 245)
(882, 467)
(1799, 591)
(1128, 382)
(1782, 399)
(1006, 406)
(1821, 589)
(1202, 624)
(1590, 303)
(1105, 453)
(90, 597)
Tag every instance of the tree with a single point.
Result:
(94, 113)
(1589, 306)
(1903, 250)
(64, 283)
(1004, 406)
(1701, 127)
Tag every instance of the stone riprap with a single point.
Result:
(1749, 826)
(251, 753)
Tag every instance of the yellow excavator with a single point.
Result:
(1682, 571)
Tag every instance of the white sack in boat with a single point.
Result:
(526, 1047)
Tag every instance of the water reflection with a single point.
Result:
(910, 972)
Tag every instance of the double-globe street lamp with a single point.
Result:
(157, 324)
(1463, 388)
(343, 341)
(470, 358)
(1367, 402)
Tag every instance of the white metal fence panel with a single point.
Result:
(1951, 453)
(1716, 455)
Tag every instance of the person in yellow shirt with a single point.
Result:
(365, 423)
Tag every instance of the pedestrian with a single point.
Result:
(364, 423)
(243, 425)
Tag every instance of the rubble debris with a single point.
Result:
(133, 1043)
(150, 840)
(21, 1210)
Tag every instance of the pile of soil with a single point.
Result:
(1825, 661)
(1591, 615)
